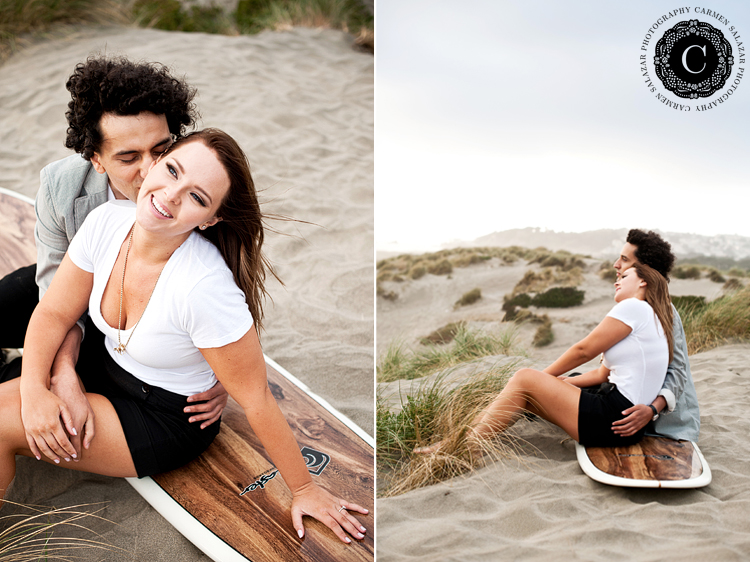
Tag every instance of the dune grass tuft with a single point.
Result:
(19, 17)
(718, 322)
(172, 15)
(732, 284)
(349, 15)
(437, 411)
(686, 272)
(607, 272)
(470, 297)
(544, 334)
(467, 345)
(443, 335)
(30, 534)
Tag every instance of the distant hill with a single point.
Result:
(607, 243)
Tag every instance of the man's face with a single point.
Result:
(130, 144)
(627, 258)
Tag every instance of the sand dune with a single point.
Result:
(542, 506)
(428, 303)
(301, 105)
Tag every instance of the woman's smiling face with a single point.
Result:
(183, 190)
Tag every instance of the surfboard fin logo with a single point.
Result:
(315, 460)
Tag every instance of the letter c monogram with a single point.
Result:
(684, 59)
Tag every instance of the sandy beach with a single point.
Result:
(541, 506)
(300, 103)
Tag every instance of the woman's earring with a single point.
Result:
(203, 227)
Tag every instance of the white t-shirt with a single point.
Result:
(638, 363)
(195, 304)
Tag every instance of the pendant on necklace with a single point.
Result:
(120, 349)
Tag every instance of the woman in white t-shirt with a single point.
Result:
(174, 287)
(636, 340)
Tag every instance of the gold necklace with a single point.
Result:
(121, 347)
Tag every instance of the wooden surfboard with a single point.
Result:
(231, 502)
(655, 462)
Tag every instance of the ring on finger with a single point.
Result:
(342, 507)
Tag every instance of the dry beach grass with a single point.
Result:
(533, 502)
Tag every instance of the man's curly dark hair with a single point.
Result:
(116, 85)
(652, 250)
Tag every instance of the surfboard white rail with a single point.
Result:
(17, 195)
(699, 481)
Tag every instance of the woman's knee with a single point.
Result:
(524, 376)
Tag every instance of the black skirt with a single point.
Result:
(159, 435)
(598, 408)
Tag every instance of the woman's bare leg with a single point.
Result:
(108, 454)
(527, 390)
(536, 392)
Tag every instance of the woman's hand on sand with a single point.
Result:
(213, 402)
(41, 413)
(314, 501)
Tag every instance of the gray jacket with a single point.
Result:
(69, 190)
(682, 420)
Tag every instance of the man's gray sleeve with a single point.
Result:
(677, 377)
(51, 239)
(50, 236)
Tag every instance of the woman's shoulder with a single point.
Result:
(202, 262)
(630, 307)
(112, 209)
(108, 217)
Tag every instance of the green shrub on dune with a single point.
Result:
(559, 297)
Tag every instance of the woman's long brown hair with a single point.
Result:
(239, 235)
(657, 295)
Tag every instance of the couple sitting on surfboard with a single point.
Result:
(644, 381)
(173, 279)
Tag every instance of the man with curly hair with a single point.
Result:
(121, 117)
(675, 411)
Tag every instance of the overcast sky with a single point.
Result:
(497, 115)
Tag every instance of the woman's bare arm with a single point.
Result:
(241, 368)
(605, 335)
(63, 303)
(592, 378)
